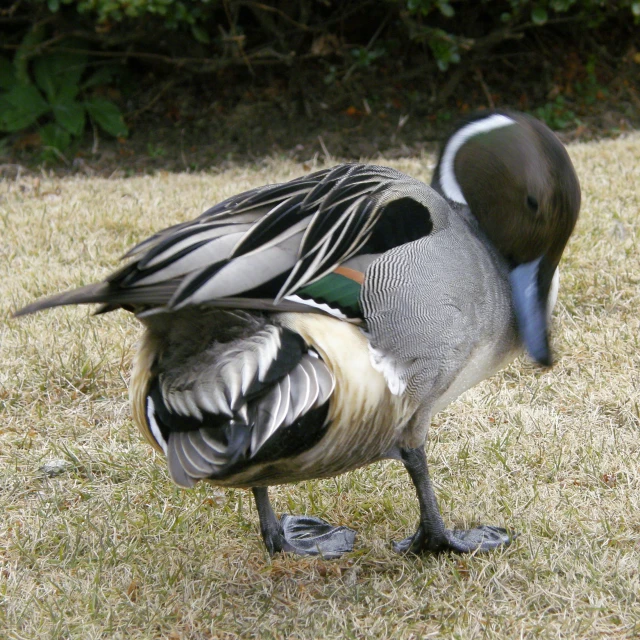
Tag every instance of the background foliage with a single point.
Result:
(67, 63)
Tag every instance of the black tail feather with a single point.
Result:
(97, 292)
(111, 296)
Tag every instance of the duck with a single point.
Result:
(305, 329)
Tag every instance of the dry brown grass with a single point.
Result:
(111, 549)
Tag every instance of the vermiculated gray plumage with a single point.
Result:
(406, 292)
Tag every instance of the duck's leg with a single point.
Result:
(304, 535)
(432, 535)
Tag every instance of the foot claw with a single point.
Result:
(306, 535)
(403, 546)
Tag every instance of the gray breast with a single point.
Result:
(439, 314)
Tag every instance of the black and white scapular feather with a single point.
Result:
(304, 329)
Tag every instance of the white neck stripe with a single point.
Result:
(448, 180)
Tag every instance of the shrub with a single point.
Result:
(51, 92)
(49, 85)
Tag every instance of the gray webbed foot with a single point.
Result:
(303, 535)
(480, 538)
(306, 535)
(432, 536)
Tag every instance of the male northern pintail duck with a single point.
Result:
(302, 330)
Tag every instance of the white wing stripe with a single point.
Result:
(313, 383)
(336, 313)
(153, 425)
(241, 274)
(292, 230)
(266, 415)
(191, 467)
(212, 399)
(299, 385)
(210, 253)
(285, 395)
(212, 443)
(207, 452)
(218, 232)
(201, 466)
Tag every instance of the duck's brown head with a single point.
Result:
(518, 181)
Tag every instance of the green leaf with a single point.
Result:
(539, 16)
(420, 6)
(58, 74)
(25, 52)
(107, 115)
(44, 77)
(102, 76)
(200, 34)
(21, 107)
(69, 80)
(446, 9)
(7, 74)
(635, 9)
(53, 135)
(70, 115)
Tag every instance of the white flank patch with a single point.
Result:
(448, 180)
(336, 313)
(153, 425)
(390, 370)
(553, 293)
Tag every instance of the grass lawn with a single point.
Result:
(110, 548)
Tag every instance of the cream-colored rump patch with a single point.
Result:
(365, 416)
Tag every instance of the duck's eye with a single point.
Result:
(532, 203)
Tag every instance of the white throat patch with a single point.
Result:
(448, 180)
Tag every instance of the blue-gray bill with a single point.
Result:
(531, 311)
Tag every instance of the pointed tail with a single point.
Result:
(97, 292)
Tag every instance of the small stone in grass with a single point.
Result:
(54, 468)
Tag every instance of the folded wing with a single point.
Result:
(271, 248)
